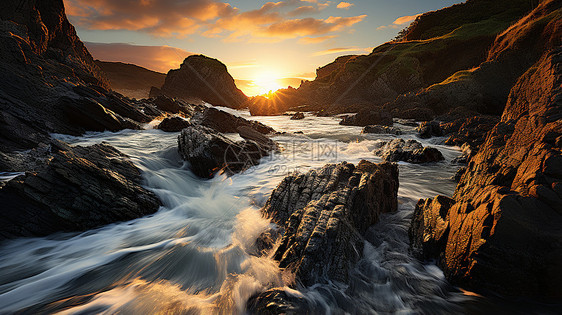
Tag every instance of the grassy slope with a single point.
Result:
(439, 44)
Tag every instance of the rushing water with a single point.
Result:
(194, 254)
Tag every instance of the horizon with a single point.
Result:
(265, 45)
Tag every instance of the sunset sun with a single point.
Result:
(265, 82)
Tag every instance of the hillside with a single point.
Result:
(129, 79)
(437, 45)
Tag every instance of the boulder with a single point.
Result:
(410, 151)
(323, 215)
(173, 124)
(167, 104)
(73, 189)
(222, 121)
(368, 117)
(382, 130)
(501, 230)
(324, 212)
(203, 78)
(210, 152)
(428, 129)
(471, 130)
(297, 116)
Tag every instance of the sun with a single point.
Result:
(265, 82)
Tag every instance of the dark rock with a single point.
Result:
(90, 115)
(382, 130)
(410, 151)
(210, 152)
(167, 104)
(173, 124)
(250, 134)
(224, 122)
(428, 129)
(504, 224)
(472, 130)
(368, 117)
(459, 173)
(280, 301)
(297, 116)
(206, 79)
(325, 212)
(73, 189)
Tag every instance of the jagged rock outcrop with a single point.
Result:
(368, 117)
(382, 130)
(50, 83)
(222, 121)
(203, 78)
(324, 214)
(428, 129)
(501, 230)
(173, 124)
(209, 152)
(71, 189)
(410, 151)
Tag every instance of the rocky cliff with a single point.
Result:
(201, 77)
(501, 230)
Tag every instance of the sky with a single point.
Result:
(265, 45)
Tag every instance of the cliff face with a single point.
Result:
(501, 230)
(50, 34)
(203, 78)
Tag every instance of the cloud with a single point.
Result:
(157, 58)
(210, 18)
(399, 22)
(340, 50)
(315, 40)
(344, 5)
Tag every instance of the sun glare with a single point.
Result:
(266, 82)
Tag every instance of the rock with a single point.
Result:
(428, 129)
(472, 130)
(382, 130)
(410, 151)
(210, 152)
(297, 116)
(280, 301)
(325, 212)
(167, 104)
(504, 223)
(88, 114)
(224, 122)
(368, 117)
(173, 124)
(250, 134)
(73, 189)
(459, 173)
(204, 78)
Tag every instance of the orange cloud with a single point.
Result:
(315, 40)
(210, 18)
(399, 22)
(344, 5)
(157, 58)
(340, 50)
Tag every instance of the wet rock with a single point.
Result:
(222, 121)
(459, 173)
(167, 104)
(471, 130)
(410, 151)
(74, 189)
(382, 130)
(297, 116)
(428, 129)
(250, 134)
(210, 152)
(504, 222)
(368, 117)
(280, 301)
(203, 78)
(173, 124)
(324, 213)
